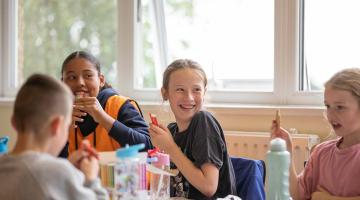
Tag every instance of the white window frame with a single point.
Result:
(286, 58)
(286, 81)
(8, 47)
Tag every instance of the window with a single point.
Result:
(218, 34)
(8, 21)
(331, 39)
(48, 31)
(254, 57)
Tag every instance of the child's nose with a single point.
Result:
(189, 96)
(81, 81)
(330, 113)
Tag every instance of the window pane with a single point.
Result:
(232, 39)
(145, 70)
(332, 41)
(50, 30)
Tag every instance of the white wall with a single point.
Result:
(305, 120)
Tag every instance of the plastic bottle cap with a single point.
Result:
(278, 144)
(162, 159)
(129, 151)
(3, 144)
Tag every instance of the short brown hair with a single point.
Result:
(38, 99)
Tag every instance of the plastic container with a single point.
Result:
(142, 172)
(278, 162)
(4, 145)
(159, 182)
(127, 173)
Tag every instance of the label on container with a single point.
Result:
(127, 180)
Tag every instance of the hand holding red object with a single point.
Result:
(154, 119)
(85, 145)
(152, 152)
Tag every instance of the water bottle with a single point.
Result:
(278, 162)
(3, 145)
(127, 173)
(160, 182)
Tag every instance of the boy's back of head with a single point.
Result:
(42, 115)
(39, 99)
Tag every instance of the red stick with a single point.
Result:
(93, 152)
(87, 147)
(153, 119)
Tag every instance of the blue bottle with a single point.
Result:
(278, 162)
(3, 145)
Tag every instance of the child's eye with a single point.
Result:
(70, 77)
(339, 108)
(179, 90)
(198, 90)
(89, 75)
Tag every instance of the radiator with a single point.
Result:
(254, 145)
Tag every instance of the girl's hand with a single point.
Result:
(279, 132)
(91, 106)
(90, 167)
(161, 137)
(77, 116)
(321, 194)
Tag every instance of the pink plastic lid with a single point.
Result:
(163, 159)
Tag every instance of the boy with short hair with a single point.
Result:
(41, 118)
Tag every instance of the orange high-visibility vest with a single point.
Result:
(103, 141)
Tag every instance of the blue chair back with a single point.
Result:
(250, 178)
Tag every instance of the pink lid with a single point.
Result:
(163, 159)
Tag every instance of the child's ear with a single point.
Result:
(55, 125)
(205, 89)
(102, 80)
(13, 122)
(164, 94)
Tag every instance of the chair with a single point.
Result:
(250, 178)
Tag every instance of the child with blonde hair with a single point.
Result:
(41, 118)
(333, 170)
(195, 142)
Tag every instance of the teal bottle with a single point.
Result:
(278, 162)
